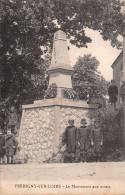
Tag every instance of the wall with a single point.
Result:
(43, 125)
(77, 114)
(117, 77)
(118, 74)
(37, 134)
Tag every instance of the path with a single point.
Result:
(82, 177)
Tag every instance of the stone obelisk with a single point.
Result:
(60, 69)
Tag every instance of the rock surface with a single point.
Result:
(40, 130)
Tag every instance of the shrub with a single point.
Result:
(110, 123)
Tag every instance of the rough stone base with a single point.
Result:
(43, 125)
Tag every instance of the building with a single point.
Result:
(117, 67)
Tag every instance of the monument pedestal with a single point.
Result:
(43, 125)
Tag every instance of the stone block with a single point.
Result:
(43, 135)
(49, 144)
(44, 145)
(31, 124)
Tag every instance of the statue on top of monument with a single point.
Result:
(113, 93)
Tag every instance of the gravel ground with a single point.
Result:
(80, 178)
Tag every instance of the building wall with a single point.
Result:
(117, 77)
(117, 67)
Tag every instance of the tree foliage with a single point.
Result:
(110, 120)
(87, 81)
(114, 124)
(23, 71)
(25, 26)
(104, 16)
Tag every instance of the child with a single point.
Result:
(10, 145)
(83, 138)
(70, 139)
(98, 140)
(2, 146)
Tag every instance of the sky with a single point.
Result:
(99, 48)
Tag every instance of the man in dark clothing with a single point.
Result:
(2, 146)
(83, 139)
(71, 139)
(10, 144)
(113, 93)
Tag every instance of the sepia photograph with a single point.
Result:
(62, 97)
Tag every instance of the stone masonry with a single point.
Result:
(43, 125)
(37, 135)
(44, 122)
(60, 68)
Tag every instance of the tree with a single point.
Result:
(87, 81)
(28, 25)
(110, 120)
(20, 56)
(104, 16)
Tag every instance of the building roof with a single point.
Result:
(120, 56)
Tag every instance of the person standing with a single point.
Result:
(10, 144)
(2, 146)
(16, 139)
(12, 119)
(113, 93)
(97, 137)
(83, 140)
(71, 139)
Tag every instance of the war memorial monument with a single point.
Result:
(43, 123)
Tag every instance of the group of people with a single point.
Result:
(83, 142)
(8, 145)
